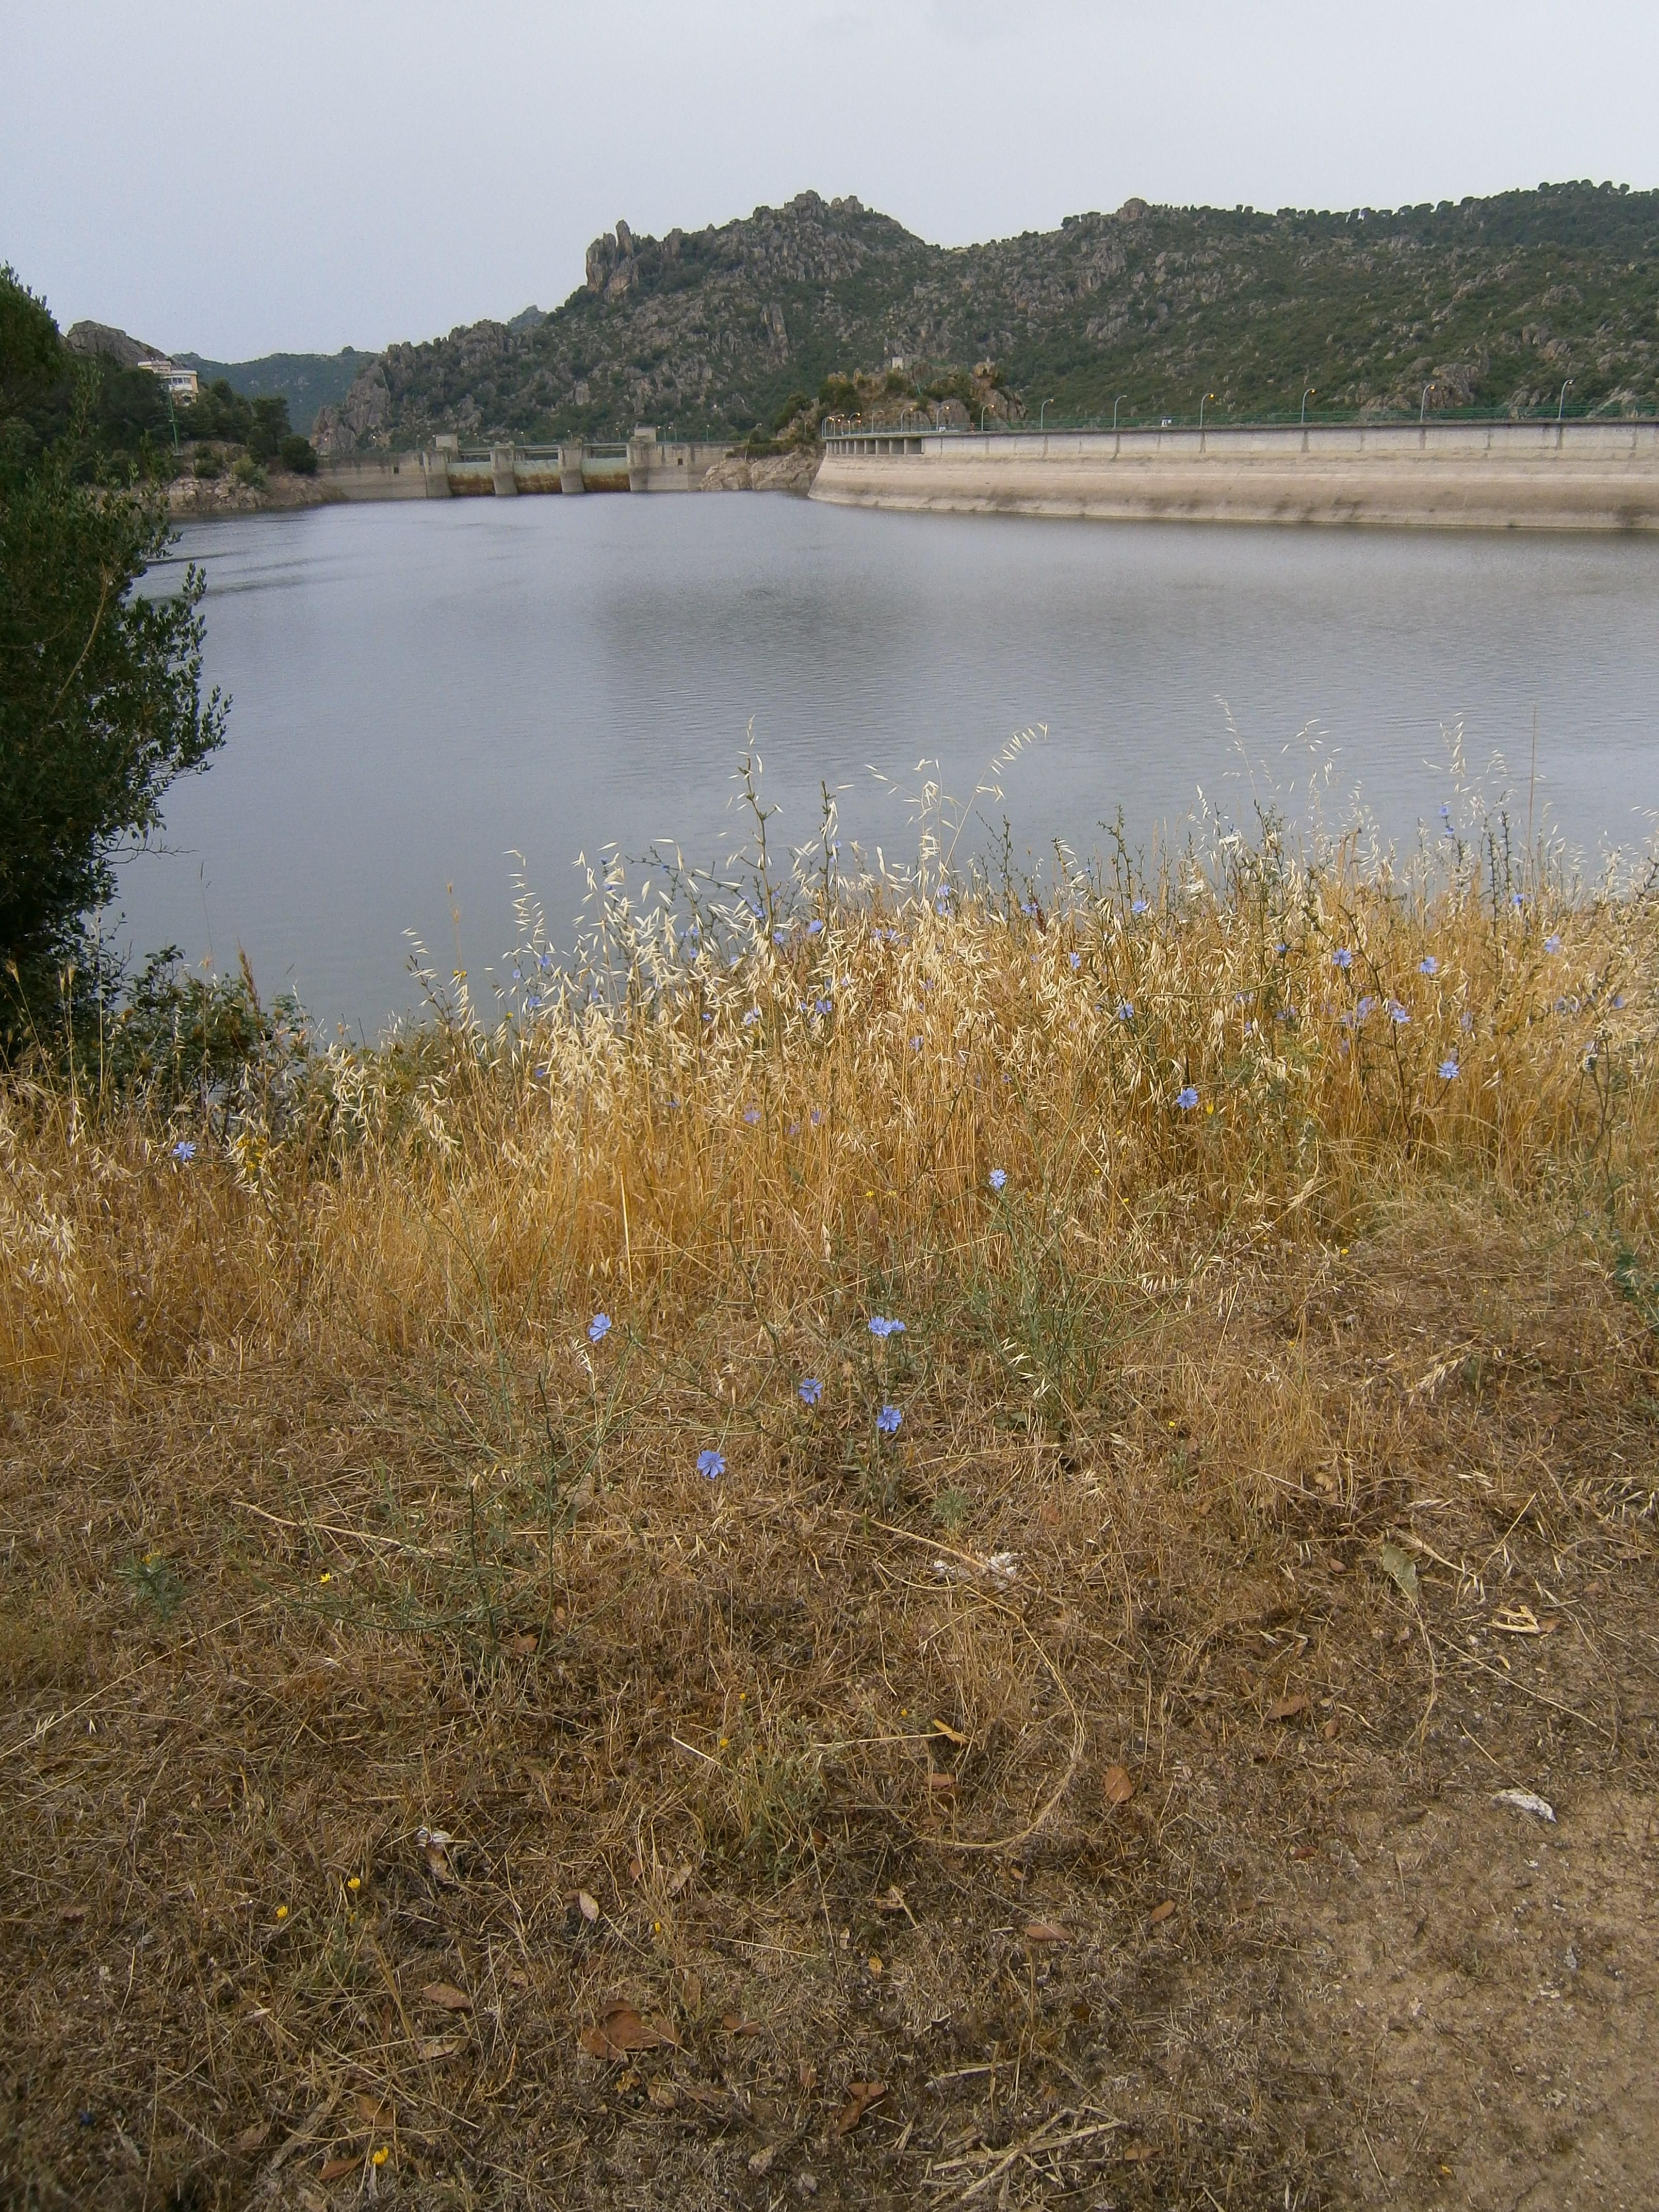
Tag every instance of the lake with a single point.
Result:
(422, 690)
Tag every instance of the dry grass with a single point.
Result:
(330, 1521)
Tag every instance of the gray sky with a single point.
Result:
(238, 179)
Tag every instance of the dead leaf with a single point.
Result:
(436, 1847)
(861, 2096)
(1162, 1911)
(336, 2169)
(712, 2101)
(893, 1902)
(1400, 1569)
(761, 2160)
(807, 2076)
(677, 1881)
(1522, 1621)
(620, 2030)
(522, 1641)
(447, 1997)
(439, 2046)
(374, 2111)
(1118, 1785)
(251, 2139)
(951, 1734)
(1287, 1709)
(1046, 1931)
(69, 1914)
(663, 2095)
(588, 1906)
(1137, 2154)
(941, 1784)
(735, 2024)
(1331, 1729)
(636, 1869)
(1305, 1851)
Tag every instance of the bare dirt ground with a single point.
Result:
(792, 1848)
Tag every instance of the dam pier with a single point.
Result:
(1579, 475)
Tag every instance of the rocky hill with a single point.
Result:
(1493, 303)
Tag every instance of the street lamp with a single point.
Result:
(1207, 396)
(1042, 411)
(1116, 403)
(1306, 397)
(1423, 411)
(1561, 407)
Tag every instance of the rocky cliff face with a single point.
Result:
(115, 345)
(1492, 302)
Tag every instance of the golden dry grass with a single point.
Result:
(332, 1520)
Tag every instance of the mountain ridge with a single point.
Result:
(1490, 304)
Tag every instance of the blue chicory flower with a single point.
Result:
(997, 1177)
(184, 1152)
(751, 1115)
(888, 1420)
(598, 1328)
(1186, 1098)
(1397, 1013)
(1138, 906)
(810, 1390)
(813, 927)
(711, 1463)
(1076, 959)
(1552, 945)
(1428, 965)
(1126, 1011)
(1342, 958)
(1448, 1071)
(881, 1327)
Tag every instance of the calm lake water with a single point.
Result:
(421, 691)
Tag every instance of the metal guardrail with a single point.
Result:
(913, 424)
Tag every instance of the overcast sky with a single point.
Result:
(236, 180)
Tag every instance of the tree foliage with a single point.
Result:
(100, 683)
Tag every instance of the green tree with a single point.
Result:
(100, 685)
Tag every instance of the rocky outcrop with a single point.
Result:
(793, 471)
(115, 345)
(197, 499)
(361, 418)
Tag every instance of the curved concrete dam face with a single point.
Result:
(1499, 476)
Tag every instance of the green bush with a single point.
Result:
(796, 403)
(209, 463)
(299, 455)
(838, 395)
(247, 470)
(100, 700)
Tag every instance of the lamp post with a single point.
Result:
(1042, 411)
(1561, 407)
(1423, 411)
(1201, 406)
(1306, 397)
(1116, 403)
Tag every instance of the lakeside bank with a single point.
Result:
(1601, 476)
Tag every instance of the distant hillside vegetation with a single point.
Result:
(306, 380)
(1493, 303)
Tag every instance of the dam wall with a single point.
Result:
(449, 471)
(1601, 476)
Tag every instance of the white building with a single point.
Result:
(182, 383)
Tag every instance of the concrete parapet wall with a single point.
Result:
(391, 476)
(1534, 476)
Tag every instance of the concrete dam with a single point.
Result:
(449, 471)
(1582, 475)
